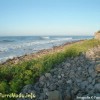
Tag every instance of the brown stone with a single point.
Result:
(97, 35)
(97, 68)
(67, 98)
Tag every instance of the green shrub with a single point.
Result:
(3, 87)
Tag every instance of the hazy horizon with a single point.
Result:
(44, 35)
(49, 17)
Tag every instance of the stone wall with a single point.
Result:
(97, 35)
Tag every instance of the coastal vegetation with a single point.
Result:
(15, 76)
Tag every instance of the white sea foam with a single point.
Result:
(26, 45)
(10, 47)
(45, 37)
(60, 39)
(6, 58)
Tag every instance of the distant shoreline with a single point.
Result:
(27, 57)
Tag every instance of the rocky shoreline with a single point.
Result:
(40, 53)
(74, 78)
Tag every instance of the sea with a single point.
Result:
(14, 46)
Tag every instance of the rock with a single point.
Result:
(62, 75)
(54, 95)
(79, 68)
(97, 35)
(52, 87)
(59, 77)
(41, 84)
(90, 70)
(47, 83)
(67, 98)
(42, 96)
(97, 95)
(97, 62)
(16, 61)
(48, 75)
(76, 89)
(89, 54)
(69, 81)
(90, 87)
(97, 68)
(45, 90)
(72, 74)
(93, 82)
(60, 82)
(97, 87)
(84, 84)
(68, 64)
(93, 75)
(75, 77)
(42, 78)
(89, 79)
(27, 89)
(78, 80)
(91, 93)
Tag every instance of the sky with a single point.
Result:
(49, 17)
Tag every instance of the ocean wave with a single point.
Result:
(10, 47)
(6, 58)
(5, 41)
(70, 38)
(45, 37)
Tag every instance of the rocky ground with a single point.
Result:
(75, 77)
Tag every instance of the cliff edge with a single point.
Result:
(97, 35)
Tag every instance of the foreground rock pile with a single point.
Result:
(76, 77)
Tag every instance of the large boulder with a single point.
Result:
(97, 35)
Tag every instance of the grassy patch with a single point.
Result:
(14, 77)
